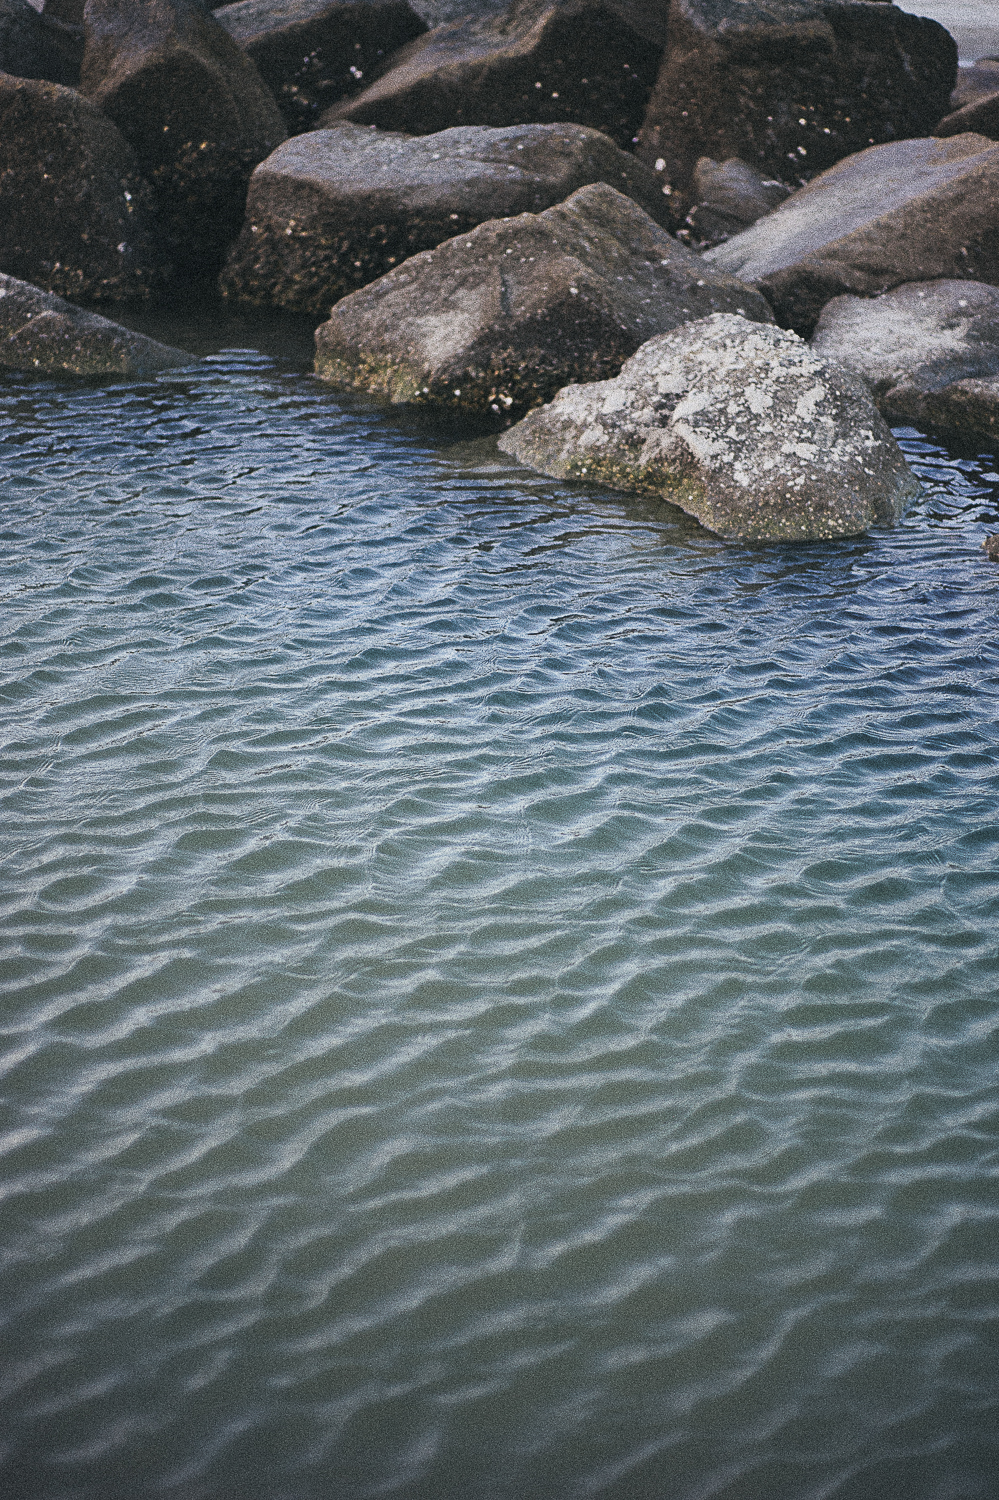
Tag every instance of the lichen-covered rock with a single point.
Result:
(912, 211)
(740, 424)
(592, 62)
(791, 86)
(728, 197)
(44, 334)
(194, 109)
(499, 319)
(331, 210)
(312, 52)
(76, 216)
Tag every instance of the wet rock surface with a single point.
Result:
(499, 319)
(740, 424)
(912, 211)
(44, 334)
(332, 210)
(310, 53)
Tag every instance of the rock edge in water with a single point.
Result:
(45, 335)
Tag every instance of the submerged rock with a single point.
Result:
(332, 210)
(740, 424)
(44, 334)
(500, 318)
(912, 211)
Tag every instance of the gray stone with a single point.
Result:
(439, 12)
(912, 211)
(76, 216)
(499, 319)
(44, 334)
(592, 62)
(740, 424)
(979, 115)
(311, 53)
(330, 211)
(728, 197)
(792, 86)
(194, 109)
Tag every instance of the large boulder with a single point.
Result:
(929, 351)
(332, 210)
(76, 216)
(44, 334)
(312, 52)
(34, 46)
(791, 86)
(499, 319)
(911, 211)
(740, 424)
(194, 109)
(589, 61)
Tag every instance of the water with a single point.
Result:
(499, 986)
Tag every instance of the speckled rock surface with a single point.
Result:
(728, 197)
(44, 334)
(912, 211)
(75, 214)
(740, 424)
(311, 53)
(499, 319)
(330, 211)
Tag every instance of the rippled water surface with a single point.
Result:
(499, 986)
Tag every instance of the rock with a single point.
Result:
(33, 46)
(69, 11)
(910, 211)
(312, 52)
(976, 81)
(193, 107)
(792, 86)
(592, 62)
(44, 334)
(968, 409)
(980, 115)
(499, 319)
(439, 12)
(75, 215)
(728, 197)
(740, 424)
(991, 547)
(332, 210)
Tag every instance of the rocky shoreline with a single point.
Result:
(703, 249)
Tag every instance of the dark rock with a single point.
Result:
(910, 211)
(980, 116)
(975, 82)
(70, 11)
(46, 335)
(501, 318)
(991, 548)
(75, 215)
(34, 46)
(312, 52)
(331, 210)
(193, 107)
(728, 197)
(792, 86)
(741, 425)
(592, 62)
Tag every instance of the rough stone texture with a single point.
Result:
(980, 116)
(192, 105)
(741, 425)
(331, 210)
(75, 215)
(728, 197)
(501, 318)
(35, 46)
(976, 82)
(46, 335)
(991, 548)
(312, 52)
(438, 12)
(592, 62)
(910, 211)
(792, 86)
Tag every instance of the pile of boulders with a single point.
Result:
(617, 222)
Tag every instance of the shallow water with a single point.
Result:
(499, 986)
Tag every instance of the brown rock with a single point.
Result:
(980, 116)
(991, 548)
(44, 334)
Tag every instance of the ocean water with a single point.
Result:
(499, 986)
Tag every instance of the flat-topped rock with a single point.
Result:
(592, 62)
(499, 319)
(311, 53)
(792, 86)
(740, 424)
(332, 210)
(912, 211)
(76, 217)
(45, 335)
(194, 109)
